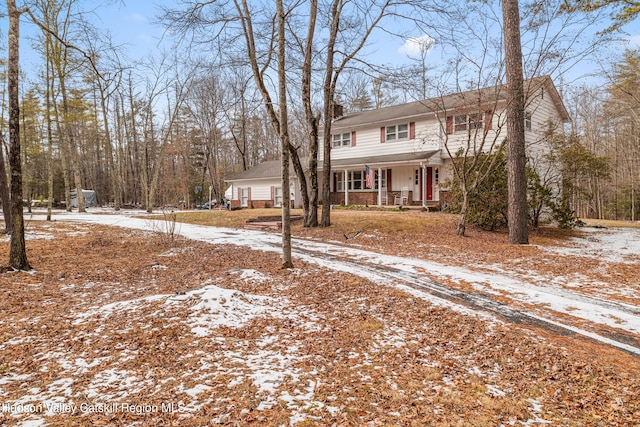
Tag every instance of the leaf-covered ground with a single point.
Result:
(122, 327)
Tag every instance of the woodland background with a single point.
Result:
(153, 131)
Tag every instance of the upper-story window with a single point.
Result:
(397, 132)
(401, 132)
(469, 122)
(527, 120)
(341, 139)
(465, 122)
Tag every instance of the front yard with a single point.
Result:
(128, 327)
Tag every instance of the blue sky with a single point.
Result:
(132, 24)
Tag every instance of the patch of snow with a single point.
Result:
(175, 251)
(494, 391)
(195, 391)
(249, 275)
(32, 423)
(616, 245)
(35, 235)
(611, 244)
(212, 307)
(109, 309)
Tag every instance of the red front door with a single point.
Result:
(429, 183)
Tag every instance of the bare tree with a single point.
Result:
(205, 106)
(310, 198)
(107, 83)
(17, 250)
(473, 140)
(57, 19)
(175, 88)
(287, 261)
(254, 34)
(336, 60)
(5, 196)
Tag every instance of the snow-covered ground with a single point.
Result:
(619, 245)
(273, 361)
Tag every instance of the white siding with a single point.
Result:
(543, 115)
(402, 177)
(480, 140)
(260, 190)
(368, 142)
(430, 134)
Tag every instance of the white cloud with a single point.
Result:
(634, 41)
(415, 46)
(137, 17)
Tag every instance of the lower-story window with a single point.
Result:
(277, 197)
(357, 180)
(378, 180)
(339, 181)
(244, 197)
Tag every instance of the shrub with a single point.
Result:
(488, 201)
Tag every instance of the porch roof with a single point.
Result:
(385, 160)
(272, 168)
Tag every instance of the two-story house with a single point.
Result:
(402, 154)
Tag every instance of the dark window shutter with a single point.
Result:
(412, 130)
(449, 125)
(383, 134)
(488, 120)
(353, 138)
(389, 179)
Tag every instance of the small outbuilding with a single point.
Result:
(89, 196)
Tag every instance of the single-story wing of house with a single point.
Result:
(401, 155)
(261, 187)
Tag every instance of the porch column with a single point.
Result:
(379, 186)
(423, 171)
(346, 188)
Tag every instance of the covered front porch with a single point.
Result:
(388, 181)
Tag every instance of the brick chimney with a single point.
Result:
(338, 111)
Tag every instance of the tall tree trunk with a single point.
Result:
(464, 209)
(64, 155)
(119, 151)
(275, 118)
(131, 135)
(18, 249)
(311, 202)
(287, 261)
(329, 90)
(48, 94)
(516, 156)
(111, 161)
(145, 166)
(72, 150)
(4, 191)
